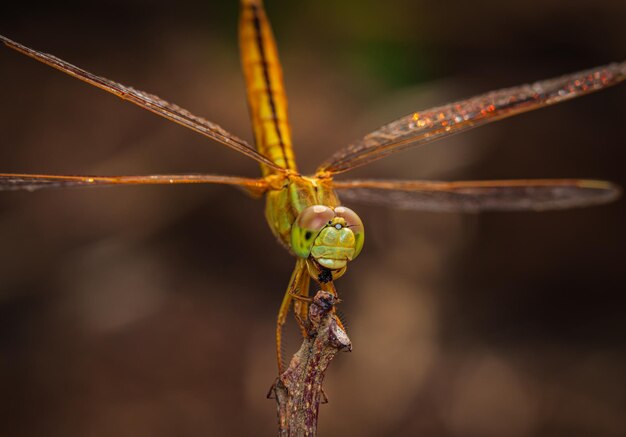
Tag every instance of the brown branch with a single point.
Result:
(298, 390)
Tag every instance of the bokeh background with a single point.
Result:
(149, 311)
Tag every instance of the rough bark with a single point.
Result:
(298, 390)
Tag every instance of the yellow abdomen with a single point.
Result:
(264, 84)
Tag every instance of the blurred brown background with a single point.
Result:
(149, 311)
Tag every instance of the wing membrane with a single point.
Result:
(32, 182)
(475, 196)
(432, 124)
(147, 101)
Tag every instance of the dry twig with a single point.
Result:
(298, 390)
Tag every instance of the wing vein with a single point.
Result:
(432, 124)
(147, 101)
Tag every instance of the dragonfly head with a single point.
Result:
(332, 237)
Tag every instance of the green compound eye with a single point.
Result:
(355, 224)
(307, 227)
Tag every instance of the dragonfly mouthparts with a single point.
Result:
(325, 275)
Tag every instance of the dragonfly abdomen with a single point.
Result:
(264, 83)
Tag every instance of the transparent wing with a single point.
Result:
(32, 182)
(429, 125)
(147, 101)
(475, 196)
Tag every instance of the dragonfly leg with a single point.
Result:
(298, 292)
(301, 304)
(294, 282)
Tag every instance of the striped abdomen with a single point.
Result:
(264, 83)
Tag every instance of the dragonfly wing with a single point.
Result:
(147, 101)
(32, 182)
(432, 124)
(476, 196)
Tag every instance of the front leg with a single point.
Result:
(301, 301)
(299, 277)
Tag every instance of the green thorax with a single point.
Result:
(289, 196)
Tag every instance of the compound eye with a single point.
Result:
(355, 224)
(307, 226)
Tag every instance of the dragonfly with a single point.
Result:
(304, 212)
